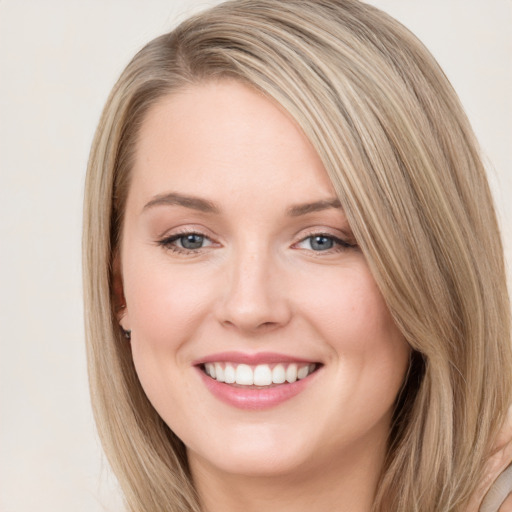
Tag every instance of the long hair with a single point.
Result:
(403, 159)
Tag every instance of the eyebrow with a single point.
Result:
(317, 206)
(203, 205)
(175, 199)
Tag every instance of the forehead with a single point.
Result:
(225, 137)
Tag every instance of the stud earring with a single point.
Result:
(127, 333)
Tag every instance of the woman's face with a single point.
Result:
(237, 261)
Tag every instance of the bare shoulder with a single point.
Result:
(499, 497)
(493, 494)
(507, 505)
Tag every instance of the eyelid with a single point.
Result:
(342, 242)
(167, 240)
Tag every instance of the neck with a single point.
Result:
(346, 483)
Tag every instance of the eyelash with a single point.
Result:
(169, 243)
(339, 244)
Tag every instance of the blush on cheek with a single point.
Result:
(360, 320)
(166, 313)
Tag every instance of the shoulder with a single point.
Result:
(496, 499)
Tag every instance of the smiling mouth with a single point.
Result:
(258, 376)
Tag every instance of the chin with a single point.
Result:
(260, 465)
(257, 454)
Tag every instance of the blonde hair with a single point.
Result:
(405, 164)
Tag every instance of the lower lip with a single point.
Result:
(255, 399)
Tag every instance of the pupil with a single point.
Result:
(321, 243)
(192, 241)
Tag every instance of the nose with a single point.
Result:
(254, 298)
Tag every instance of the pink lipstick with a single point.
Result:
(255, 381)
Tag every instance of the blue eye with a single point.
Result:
(321, 242)
(191, 241)
(184, 242)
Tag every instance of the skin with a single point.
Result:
(498, 461)
(256, 285)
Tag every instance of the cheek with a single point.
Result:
(350, 311)
(167, 311)
(370, 353)
(165, 303)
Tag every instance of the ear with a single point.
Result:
(118, 298)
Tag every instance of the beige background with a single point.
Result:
(58, 61)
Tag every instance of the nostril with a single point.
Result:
(251, 326)
(253, 302)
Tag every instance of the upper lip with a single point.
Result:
(251, 359)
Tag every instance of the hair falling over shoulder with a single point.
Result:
(403, 159)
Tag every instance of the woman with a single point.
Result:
(295, 290)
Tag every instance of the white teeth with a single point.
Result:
(260, 375)
(244, 375)
(303, 372)
(218, 372)
(291, 373)
(278, 374)
(229, 374)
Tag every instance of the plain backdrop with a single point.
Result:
(58, 62)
